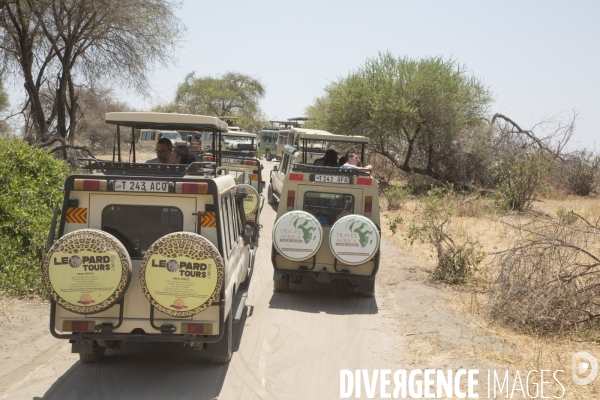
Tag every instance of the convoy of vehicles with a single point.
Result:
(150, 252)
(163, 252)
(327, 225)
(274, 138)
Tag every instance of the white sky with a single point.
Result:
(540, 58)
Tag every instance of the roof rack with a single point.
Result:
(204, 169)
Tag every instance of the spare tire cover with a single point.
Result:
(354, 239)
(297, 235)
(182, 274)
(87, 271)
(251, 201)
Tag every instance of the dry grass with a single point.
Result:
(474, 220)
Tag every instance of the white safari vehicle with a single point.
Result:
(327, 225)
(149, 252)
(246, 169)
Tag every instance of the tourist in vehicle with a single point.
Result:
(182, 155)
(343, 160)
(329, 160)
(353, 162)
(164, 150)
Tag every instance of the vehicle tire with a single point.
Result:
(282, 285)
(220, 352)
(95, 356)
(271, 199)
(366, 288)
(268, 156)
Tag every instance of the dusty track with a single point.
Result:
(288, 346)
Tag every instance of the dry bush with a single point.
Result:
(474, 207)
(383, 169)
(581, 171)
(548, 279)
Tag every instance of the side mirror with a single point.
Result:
(262, 166)
(262, 185)
(276, 168)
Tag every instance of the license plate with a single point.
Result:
(332, 179)
(232, 160)
(141, 186)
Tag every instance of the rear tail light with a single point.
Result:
(197, 329)
(368, 205)
(207, 158)
(296, 177)
(191, 187)
(364, 181)
(78, 326)
(250, 162)
(291, 197)
(91, 185)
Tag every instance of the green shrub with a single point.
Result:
(519, 176)
(396, 196)
(30, 189)
(455, 262)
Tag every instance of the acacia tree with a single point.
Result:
(232, 94)
(413, 110)
(58, 47)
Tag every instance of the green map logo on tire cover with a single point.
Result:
(297, 235)
(354, 239)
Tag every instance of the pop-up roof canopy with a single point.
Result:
(315, 134)
(165, 121)
(240, 134)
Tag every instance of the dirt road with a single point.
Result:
(289, 346)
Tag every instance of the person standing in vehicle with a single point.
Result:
(164, 151)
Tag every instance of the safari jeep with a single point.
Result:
(290, 156)
(247, 172)
(149, 252)
(327, 225)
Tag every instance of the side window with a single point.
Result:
(153, 137)
(234, 220)
(284, 163)
(226, 224)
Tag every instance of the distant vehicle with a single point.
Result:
(232, 140)
(154, 135)
(273, 139)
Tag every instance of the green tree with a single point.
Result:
(414, 111)
(59, 47)
(232, 94)
(4, 128)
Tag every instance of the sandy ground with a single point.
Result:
(288, 346)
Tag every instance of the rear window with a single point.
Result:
(137, 227)
(328, 206)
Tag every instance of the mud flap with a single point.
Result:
(82, 346)
(366, 287)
